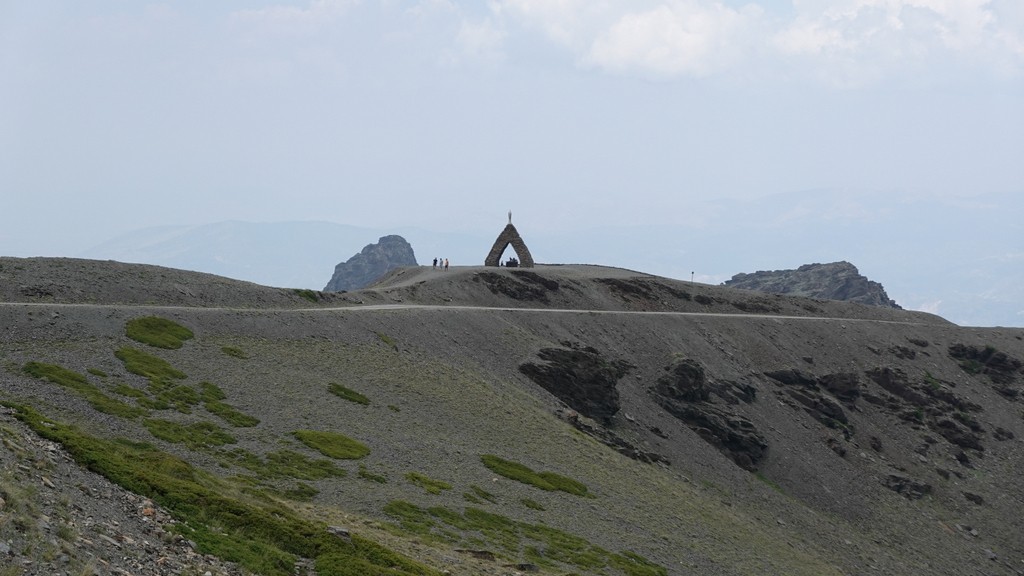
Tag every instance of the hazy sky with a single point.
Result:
(117, 115)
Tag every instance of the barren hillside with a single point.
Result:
(562, 419)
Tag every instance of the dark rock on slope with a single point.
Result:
(373, 262)
(581, 378)
(684, 392)
(834, 281)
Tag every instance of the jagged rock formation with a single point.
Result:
(834, 281)
(374, 261)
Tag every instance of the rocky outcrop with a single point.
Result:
(522, 285)
(373, 262)
(818, 396)
(1000, 368)
(580, 377)
(835, 281)
(685, 392)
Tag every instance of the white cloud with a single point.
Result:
(677, 38)
(481, 40)
(287, 20)
(847, 42)
(666, 38)
(567, 22)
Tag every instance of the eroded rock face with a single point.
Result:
(834, 281)
(685, 382)
(373, 262)
(522, 285)
(611, 439)
(580, 377)
(1000, 368)
(929, 402)
(818, 396)
(907, 487)
(685, 392)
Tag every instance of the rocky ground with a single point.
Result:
(58, 519)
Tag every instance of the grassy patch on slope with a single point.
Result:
(264, 537)
(80, 384)
(544, 480)
(196, 436)
(542, 545)
(230, 415)
(347, 394)
(332, 444)
(159, 371)
(157, 332)
(429, 484)
(295, 465)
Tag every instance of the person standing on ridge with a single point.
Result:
(445, 264)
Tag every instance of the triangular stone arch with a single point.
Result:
(509, 236)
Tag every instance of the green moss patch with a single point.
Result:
(280, 464)
(157, 332)
(332, 444)
(210, 391)
(544, 480)
(126, 390)
(388, 340)
(79, 384)
(482, 494)
(533, 504)
(195, 436)
(263, 536)
(296, 465)
(230, 415)
(181, 397)
(534, 543)
(347, 394)
(158, 370)
(234, 352)
(429, 484)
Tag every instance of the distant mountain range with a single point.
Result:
(960, 258)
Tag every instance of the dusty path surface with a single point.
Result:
(432, 307)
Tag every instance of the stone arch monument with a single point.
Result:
(509, 236)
